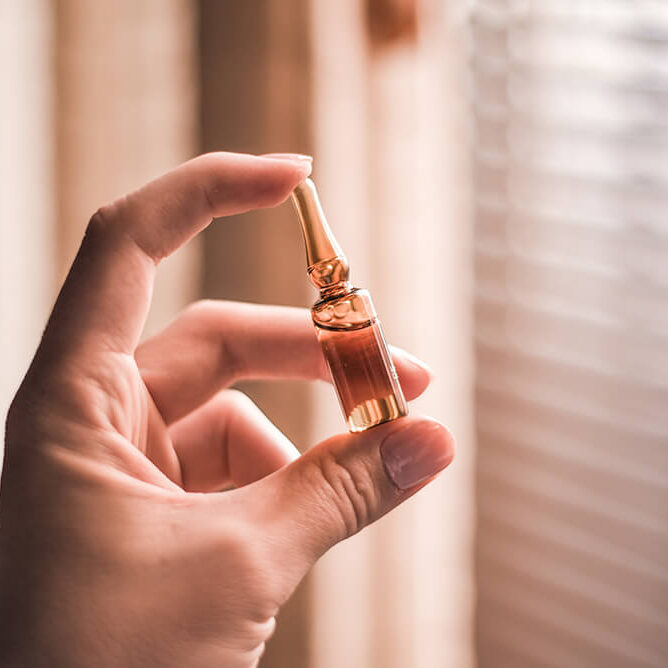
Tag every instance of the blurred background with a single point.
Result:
(497, 171)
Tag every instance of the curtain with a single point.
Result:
(572, 387)
(26, 187)
(388, 115)
(108, 95)
(126, 111)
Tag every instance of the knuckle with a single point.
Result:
(237, 547)
(209, 320)
(212, 314)
(230, 405)
(240, 550)
(118, 220)
(104, 218)
(202, 317)
(98, 221)
(202, 308)
(237, 409)
(98, 226)
(109, 225)
(236, 399)
(350, 490)
(230, 363)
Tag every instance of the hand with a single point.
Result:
(117, 547)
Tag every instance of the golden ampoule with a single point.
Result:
(347, 326)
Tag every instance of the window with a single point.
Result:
(571, 245)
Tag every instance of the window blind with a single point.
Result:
(570, 153)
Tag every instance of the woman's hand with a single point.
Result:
(117, 547)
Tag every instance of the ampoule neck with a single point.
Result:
(336, 290)
(327, 266)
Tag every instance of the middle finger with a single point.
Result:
(213, 344)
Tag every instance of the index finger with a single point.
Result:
(106, 296)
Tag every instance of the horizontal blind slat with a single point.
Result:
(570, 140)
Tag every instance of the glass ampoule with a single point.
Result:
(347, 326)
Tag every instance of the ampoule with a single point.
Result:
(346, 325)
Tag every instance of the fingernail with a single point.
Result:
(289, 156)
(415, 453)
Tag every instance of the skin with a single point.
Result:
(117, 547)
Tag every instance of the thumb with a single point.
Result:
(349, 481)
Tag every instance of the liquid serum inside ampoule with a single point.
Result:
(347, 326)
